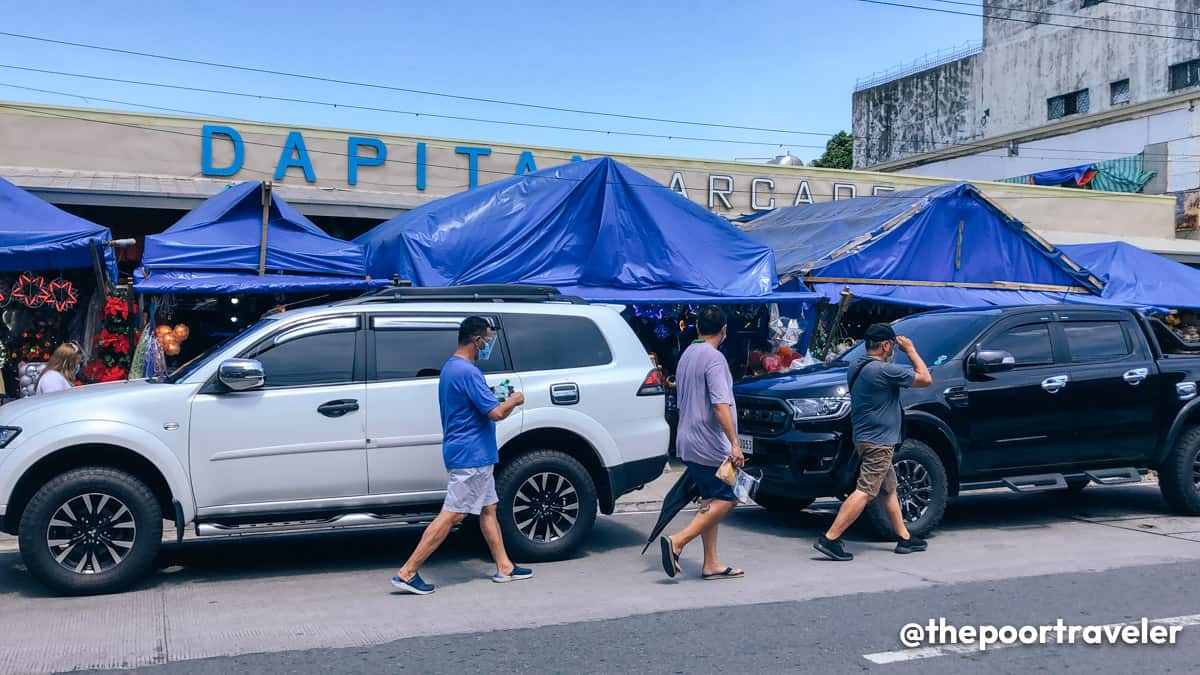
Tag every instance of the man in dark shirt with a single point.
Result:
(875, 384)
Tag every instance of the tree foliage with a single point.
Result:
(839, 153)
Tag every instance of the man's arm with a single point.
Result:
(724, 413)
(922, 378)
(505, 409)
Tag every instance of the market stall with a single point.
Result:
(230, 259)
(55, 269)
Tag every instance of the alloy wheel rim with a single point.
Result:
(1196, 471)
(546, 507)
(91, 533)
(914, 489)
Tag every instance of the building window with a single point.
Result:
(1090, 3)
(1119, 91)
(1186, 74)
(1068, 104)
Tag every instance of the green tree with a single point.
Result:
(839, 153)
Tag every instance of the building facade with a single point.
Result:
(1054, 84)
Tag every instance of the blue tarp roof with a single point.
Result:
(35, 235)
(1138, 278)
(947, 234)
(596, 228)
(215, 248)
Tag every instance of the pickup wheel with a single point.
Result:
(921, 488)
(547, 505)
(1179, 476)
(91, 530)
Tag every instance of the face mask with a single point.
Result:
(485, 352)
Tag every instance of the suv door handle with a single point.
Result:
(565, 393)
(338, 407)
(1055, 384)
(1134, 377)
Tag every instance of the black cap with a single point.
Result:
(879, 332)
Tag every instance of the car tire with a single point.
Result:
(1179, 477)
(783, 505)
(547, 505)
(111, 541)
(923, 491)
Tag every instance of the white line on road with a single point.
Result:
(918, 653)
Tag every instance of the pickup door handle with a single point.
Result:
(565, 393)
(338, 407)
(1134, 377)
(1055, 384)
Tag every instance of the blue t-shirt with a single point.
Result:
(468, 434)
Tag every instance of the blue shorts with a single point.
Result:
(710, 486)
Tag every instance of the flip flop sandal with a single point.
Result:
(670, 561)
(728, 573)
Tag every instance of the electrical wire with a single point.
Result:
(1001, 8)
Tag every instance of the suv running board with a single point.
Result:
(1045, 482)
(1038, 483)
(339, 522)
(1115, 476)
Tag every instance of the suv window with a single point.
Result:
(544, 342)
(938, 337)
(1029, 344)
(319, 353)
(411, 349)
(1096, 340)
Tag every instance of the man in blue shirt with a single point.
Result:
(469, 415)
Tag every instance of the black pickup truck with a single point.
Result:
(1030, 398)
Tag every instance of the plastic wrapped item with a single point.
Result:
(27, 374)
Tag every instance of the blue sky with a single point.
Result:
(775, 64)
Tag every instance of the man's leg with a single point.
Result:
(489, 524)
(710, 514)
(431, 539)
(892, 504)
(712, 564)
(849, 512)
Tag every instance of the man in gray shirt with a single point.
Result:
(875, 384)
(707, 437)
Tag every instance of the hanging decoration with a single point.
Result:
(171, 338)
(113, 347)
(30, 290)
(62, 294)
(33, 291)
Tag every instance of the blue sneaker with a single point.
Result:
(416, 585)
(518, 573)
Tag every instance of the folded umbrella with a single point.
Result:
(684, 492)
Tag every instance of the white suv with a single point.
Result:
(325, 418)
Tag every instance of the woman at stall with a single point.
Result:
(60, 370)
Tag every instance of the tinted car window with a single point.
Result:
(320, 358)
(543, 342)
(403, 353)
(1096, 340)
(938, 338)
(1029, 344)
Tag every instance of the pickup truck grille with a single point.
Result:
(762, 416)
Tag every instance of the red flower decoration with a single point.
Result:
(116, 307)
(62, 294)
(31, 290)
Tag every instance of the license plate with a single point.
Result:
(746, 443)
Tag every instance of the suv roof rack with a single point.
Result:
(476, 293)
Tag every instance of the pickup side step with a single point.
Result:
(1115, 476)
(1039, 483)
(338, 522)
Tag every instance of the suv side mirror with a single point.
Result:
(992, 361)
(241, 374)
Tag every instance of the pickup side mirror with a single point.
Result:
(991, 361)
(241, 374)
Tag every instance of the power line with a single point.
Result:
(1026, 21)
(407, 90)
(413, 113)
(995, 7)
(1157, 9)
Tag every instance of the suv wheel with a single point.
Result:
(547, 505)
(783, 505)
(1179, 477)
(921, 489)
(91, 530)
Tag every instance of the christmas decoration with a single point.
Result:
(30, 290)
(61, 293)
(33, 291)
(171, 339)
(113, 348)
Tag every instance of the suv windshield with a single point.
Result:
(938, 337)
(194, 364)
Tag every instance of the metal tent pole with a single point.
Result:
(266, 218)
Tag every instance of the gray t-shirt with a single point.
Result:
(702, 380)
(875, 400)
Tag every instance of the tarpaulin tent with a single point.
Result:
(596, 229)
(940, 246)
(36, 235)
(218, 248)
(1137, 277)
(1124, 174)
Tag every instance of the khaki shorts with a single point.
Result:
(876, 473)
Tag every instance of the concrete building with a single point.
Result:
(137, 173)
(1054, 84)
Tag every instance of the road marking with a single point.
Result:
(919, 653)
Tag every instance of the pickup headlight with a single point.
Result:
(7, 434)
(826, 408)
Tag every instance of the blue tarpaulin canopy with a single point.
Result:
(939, 246)
(1139, 278)
(215, 248)
(596, 229)
(36, 235)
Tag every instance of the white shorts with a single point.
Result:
(469, 490)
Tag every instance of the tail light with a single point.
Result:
(653, 385)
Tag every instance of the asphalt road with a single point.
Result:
(320, 604)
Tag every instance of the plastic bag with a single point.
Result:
(745, 487)
(727, 472)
